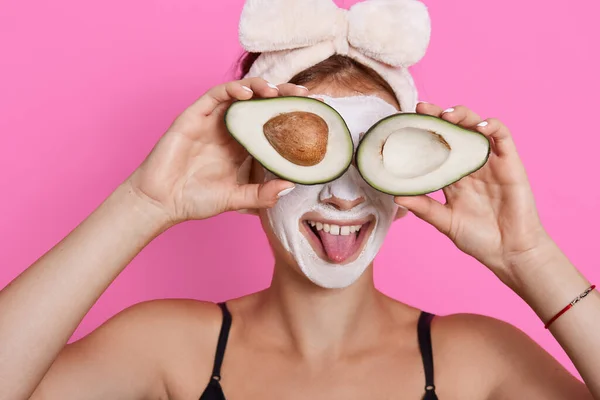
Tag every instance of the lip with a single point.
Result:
(367, 223)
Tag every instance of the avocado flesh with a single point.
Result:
(245, 120)
(411, 154)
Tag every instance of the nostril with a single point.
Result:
(356, 202)
(337, 207)
(342, 204)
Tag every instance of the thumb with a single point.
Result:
(264, 195)
(429, 210)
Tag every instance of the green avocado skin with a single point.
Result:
(271, 170)
(360, 148)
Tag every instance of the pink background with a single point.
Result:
(88, 87)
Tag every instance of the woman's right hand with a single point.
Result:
(192, 171)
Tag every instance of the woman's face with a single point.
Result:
(332, 232)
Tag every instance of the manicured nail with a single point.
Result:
(285, 191)
(424, 102)
(448, 110)
(483, 123)
(302, 87)
(247, 89)
(269, 84)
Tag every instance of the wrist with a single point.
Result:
(539, 254)
(544, 278)
(542, 267)
(142, 212)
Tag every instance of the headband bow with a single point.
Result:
(387, 35)
(393, 32)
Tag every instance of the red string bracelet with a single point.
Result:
(570, 305)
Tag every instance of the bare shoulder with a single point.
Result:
(154, 349)
(183, 335)
(162, 324)
(483, 334)
(164, 316)
(506, 361)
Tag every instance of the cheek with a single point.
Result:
(282, 256)
(384, 203)
(271, 236)
(266, 225)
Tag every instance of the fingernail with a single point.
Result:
(285, 191)
(302, 87)
(269, 84)
(247, 89)
(483, 123)
(448, 110)
(424, 102)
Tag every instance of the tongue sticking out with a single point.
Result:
(338, 247)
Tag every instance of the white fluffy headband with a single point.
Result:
(387, 35)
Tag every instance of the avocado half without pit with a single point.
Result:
(299, 139)
(410, 154)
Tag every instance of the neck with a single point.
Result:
(322, 322)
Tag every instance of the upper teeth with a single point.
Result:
(333, 229)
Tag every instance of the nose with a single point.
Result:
(343, 204)
(343, 193)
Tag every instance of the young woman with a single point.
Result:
(321, 330)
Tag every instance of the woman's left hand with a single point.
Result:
(490, 214)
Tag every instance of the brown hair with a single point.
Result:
(336, 69)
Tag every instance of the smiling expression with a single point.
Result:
(333, 231)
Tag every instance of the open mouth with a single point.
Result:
(337, 242)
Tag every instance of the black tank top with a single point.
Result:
(214, 391)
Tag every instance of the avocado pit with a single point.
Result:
(300, 137)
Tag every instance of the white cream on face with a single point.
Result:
(360, 113)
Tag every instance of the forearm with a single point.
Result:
(548, 282)
(41, 308)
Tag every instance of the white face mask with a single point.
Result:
(337, 261)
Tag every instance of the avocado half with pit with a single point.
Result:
(299, 139)
(410, 154)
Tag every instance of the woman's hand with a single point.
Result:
(490, 214)
(192, 171)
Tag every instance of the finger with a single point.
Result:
(236, 90)
(289, 89)
(461, 116)
(265, 89)
(494, 129)
(221, 94)
(264, 195)
(429, 109)
(429, 210)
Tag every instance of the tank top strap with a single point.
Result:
(222, 343)
(424, 334)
